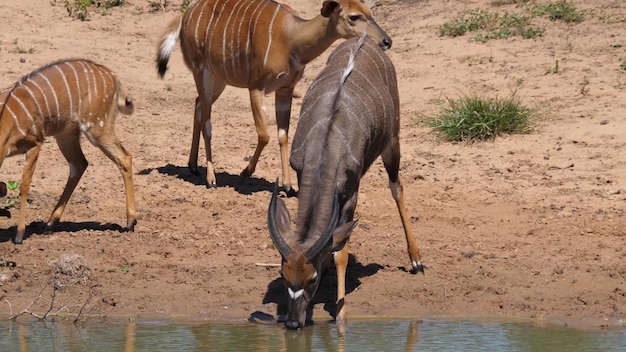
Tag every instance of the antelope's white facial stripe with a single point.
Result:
(295, 295)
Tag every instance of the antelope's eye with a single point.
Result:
(354, 18)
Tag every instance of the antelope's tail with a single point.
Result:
(124, 101)
(167, 45)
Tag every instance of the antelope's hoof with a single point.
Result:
(417, 267)
(290, 192)
(245, 174)
(131, 226)
(19, 238)
(193, 169)
(49, 228)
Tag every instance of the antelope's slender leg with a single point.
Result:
(195, 140)
(283, 98)
(27, 176)
(114, 150)
(69, 144)
(260, 121)
(209, 89)
(341, 264)
(391, 160)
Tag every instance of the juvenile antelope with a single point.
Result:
(349, 116)
(260, 45)
(63, 99)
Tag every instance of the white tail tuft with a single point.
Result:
(169, 43)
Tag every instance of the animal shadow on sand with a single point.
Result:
(326, 293)
(38, 228)
(224, 179)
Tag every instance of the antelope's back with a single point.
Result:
(58, 94)
(225, 32)
(354, 100)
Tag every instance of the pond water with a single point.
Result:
(364, 335)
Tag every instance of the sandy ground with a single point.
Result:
(526, 226)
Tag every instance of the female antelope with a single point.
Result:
(260, 45)
(62, 100)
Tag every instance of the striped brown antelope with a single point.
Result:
(64, 99)
(349, 116)
(262, 46)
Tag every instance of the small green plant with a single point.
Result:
(562, 11)
(157, 5)
(13, 187)
(554, 69)
(469, 21)
(79, 8)
(491, 26)
(125, 268)
(185, 5)
(473, 118)
(19, 50)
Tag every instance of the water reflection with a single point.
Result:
(369, 335)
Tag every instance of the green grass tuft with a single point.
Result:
(473, 118)
(489, 25)
(562, 11)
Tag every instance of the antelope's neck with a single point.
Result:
(310, 38)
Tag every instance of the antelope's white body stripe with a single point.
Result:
(45, 98)
(269, 35)
(30, 116)
(54, 94)
(79, 97)
(17, 123)
(67, 87)
(34, 98)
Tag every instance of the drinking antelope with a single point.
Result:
(260, 45)
(349, 116)
(63, 99)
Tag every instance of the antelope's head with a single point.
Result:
(353, 18)
(303, 262)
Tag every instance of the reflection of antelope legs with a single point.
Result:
(412, 336)
(129, 341)
(23, 341)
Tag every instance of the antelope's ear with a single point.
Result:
(341, 235)
(328, 7)
(283, 220)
